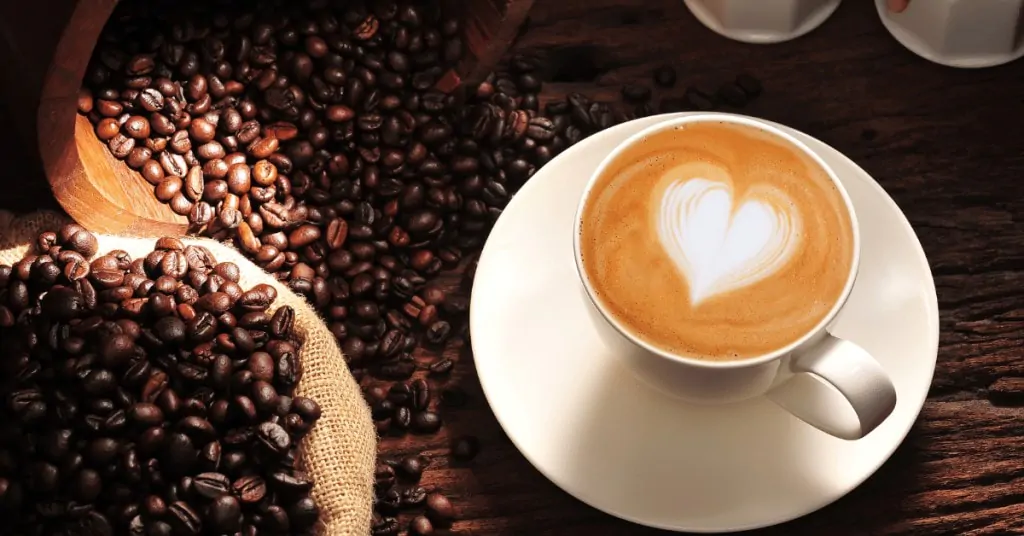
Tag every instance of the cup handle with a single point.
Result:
(853, 373)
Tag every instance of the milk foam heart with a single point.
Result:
(715, 241)
(721, 244)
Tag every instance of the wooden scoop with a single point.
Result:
(43, 58)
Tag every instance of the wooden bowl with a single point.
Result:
(44, 54)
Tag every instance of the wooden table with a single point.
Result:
(946, 144)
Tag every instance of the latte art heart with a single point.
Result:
(720, 244)
(715, 240)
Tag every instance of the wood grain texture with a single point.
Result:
(944, 143)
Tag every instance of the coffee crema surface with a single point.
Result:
(716, 241)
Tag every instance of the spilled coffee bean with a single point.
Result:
(313, 136)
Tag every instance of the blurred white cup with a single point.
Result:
(762, 21)
(958, 33)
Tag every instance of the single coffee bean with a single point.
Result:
(146, 414)
(390, 503)
(274, 438)
(414, 497)
(250, 489)
(401, 418)
(442, 367)
(107, 129)
(211, 485)
(465, 448)
(290, 482)
(421, 526)
(665, 76)
(636, 94)
(440, 509)
(303, 236)
(420, 394)
(384, 478)
(238, 180)
(137, 127)
(121, 146)
(225, 514)
(202, 131)
(173, 164)
(426, 422)
(183, 519)
(412, 467)
(152, 171)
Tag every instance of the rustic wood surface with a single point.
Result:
(944, 143)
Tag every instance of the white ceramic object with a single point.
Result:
(959, 33)
(578, 413)
(762, 21)
(842, 364)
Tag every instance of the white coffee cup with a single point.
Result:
(867, 393)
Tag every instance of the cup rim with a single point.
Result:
(716, 117)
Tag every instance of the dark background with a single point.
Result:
(946, 144)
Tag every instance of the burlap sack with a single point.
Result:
(341, 450)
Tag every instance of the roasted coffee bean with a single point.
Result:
(384, 478)
(290, 483)
(414, 497)
(636, 94)
(412, 467)
(390, 503)
(465, 448)
(152, 171)
(136, 127)
(225, 514)
(146, 414)
(274, 438)
(138, 157)
(426, 422)
(665, 76)
(385, 526)
(303, 236)
(184, 520)
(250, 489)
(442, 367)
(421, 526)
(420, 398)
(439, 331)
(401, 418)
(440, 509)
(211, 485)
(107, 129)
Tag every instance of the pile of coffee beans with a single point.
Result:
(396, 482)
(312, 135)
(148, 396)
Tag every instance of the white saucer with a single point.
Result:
(923, 48)
(811, 20)
(582, 419)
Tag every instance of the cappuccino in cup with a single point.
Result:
(716, 241)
